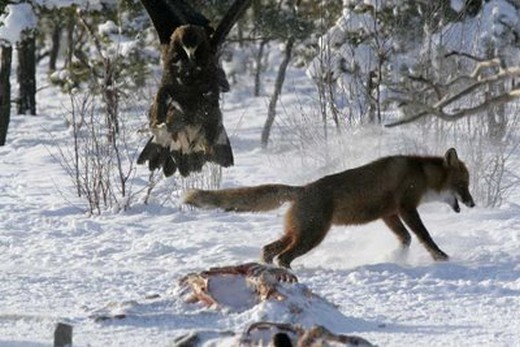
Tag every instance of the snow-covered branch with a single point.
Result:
(453, 94)
(19, 18)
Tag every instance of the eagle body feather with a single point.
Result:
(185, 117)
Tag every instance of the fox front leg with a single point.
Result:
(413, 221)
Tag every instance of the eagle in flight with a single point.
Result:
(185, 117)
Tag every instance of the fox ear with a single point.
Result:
(451, 158)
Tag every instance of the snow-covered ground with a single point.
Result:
(58, 264)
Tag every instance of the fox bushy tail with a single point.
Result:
(247, 199)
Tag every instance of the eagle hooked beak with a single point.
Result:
(190, 52)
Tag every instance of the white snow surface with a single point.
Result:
(59, 264)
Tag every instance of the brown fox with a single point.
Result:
(389, 188)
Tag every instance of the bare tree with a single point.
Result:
(107, 77)
(280, 77)
(283, 22)
(56, 34)
(6, 52)
(26, 74)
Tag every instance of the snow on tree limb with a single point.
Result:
(475, 82)
(20, 17)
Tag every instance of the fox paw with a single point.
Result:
(440, 256)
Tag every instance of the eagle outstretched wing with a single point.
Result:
(185, 116)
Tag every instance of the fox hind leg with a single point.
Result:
(270, 251)
(308, 223)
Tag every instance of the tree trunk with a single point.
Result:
(280, 78)
(55, 46)
(257, 8)
(111, 99)
(258, 68)
(70, 26)
(27, 75)
(496, 114)
(6, 53)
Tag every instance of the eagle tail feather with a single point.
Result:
(153, 153)
(190, 162)
(169, 166)
(146, 152)
(160, 157)
(222, 153)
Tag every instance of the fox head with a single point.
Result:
(457, 181)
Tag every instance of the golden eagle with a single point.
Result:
(185, 117)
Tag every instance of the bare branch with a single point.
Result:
(429, 85)
(494, 101)
(477, 81)
(464, 54)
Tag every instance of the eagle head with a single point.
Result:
(191, 42)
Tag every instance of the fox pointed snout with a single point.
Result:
(465, 197)
(468, 201)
